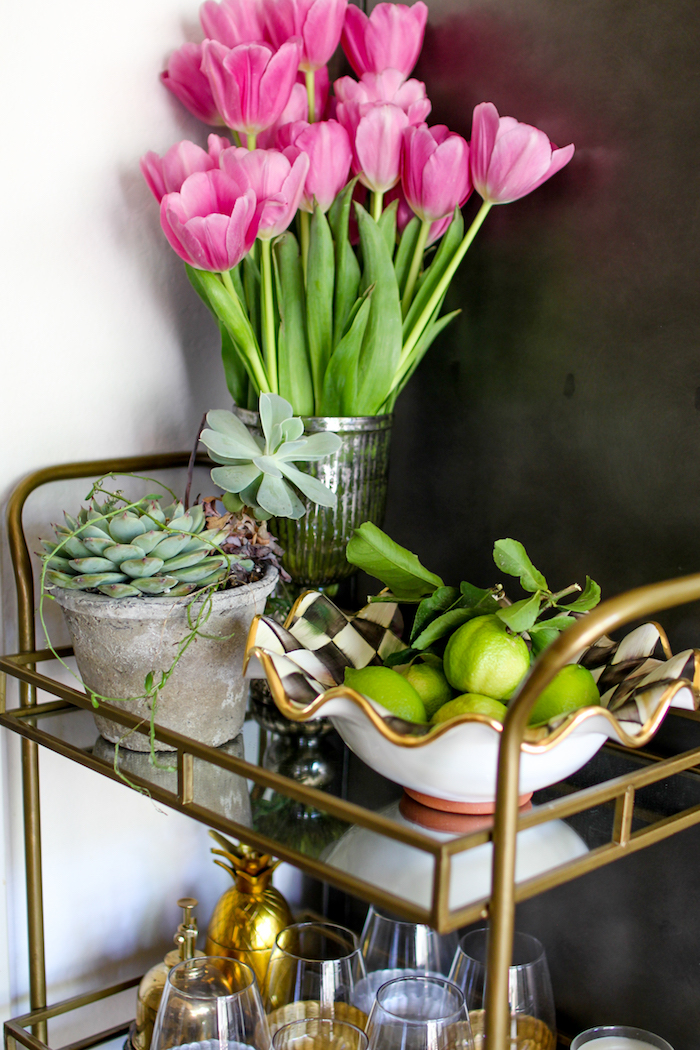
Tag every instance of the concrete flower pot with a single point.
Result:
(118, 641)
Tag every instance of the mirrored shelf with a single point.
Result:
(363, 835)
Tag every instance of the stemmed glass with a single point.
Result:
(209, 1002)
(392, 949)
(419, 1013)
(530, 994)
(313, 971)
(322, 1033)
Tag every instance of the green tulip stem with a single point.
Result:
(236, 137)
(251, 139)
(268, 319)
(416, 264)
(311, 93)
(424, 319)
(377, 202)
(253, 359)
(304, 234)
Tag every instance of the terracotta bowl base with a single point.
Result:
(439, 820)
(445, 805)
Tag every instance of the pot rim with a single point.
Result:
(86, 601)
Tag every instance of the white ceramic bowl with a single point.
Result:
(453, 765)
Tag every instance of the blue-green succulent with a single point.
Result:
(144, 550)
(260, 473)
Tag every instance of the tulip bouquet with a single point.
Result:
(308, 232)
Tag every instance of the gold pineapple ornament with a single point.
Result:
(248, 917)
(153, 982)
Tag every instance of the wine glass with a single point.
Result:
(319, 1033)
(208, 1003)
(392, 948)
(419, 1013)
(529, 990)
(313, 970)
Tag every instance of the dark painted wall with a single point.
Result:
(562, 408)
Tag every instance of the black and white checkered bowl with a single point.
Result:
(453, 765)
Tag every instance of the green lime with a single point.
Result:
(572, 688)
(483, 657)
(388, 688)
(470, 703)
(430, 684)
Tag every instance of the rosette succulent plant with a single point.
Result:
(141, 550)
(260, 474)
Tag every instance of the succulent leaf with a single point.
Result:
(96, 579)
(137, 568)
(120, 552)
(91, 565)
(147, 541)
(125, 527)
(155, 584)
(171, 545)
(96, 544)
(197, 573)
(119, 590)
(183, 523)
(74, 547)
(183, 561)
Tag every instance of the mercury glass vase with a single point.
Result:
(358, 474)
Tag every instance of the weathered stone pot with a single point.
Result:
(118, 641)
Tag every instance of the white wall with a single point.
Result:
(105, 351)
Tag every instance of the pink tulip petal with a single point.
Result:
(484, 131)
(377, 149)
(185, 79)
(520, 160)
(321, 32)
(395, 36)
(560, 158)
(152, 170)
(327, 145)
(233, 22)
(435, 171)
(353, 39)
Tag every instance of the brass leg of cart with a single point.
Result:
(35, 900)
(614, 613)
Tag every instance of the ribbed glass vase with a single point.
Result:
(358, 474)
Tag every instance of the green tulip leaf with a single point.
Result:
(320, 283)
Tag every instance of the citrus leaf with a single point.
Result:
(511, 557)
(521, 615)
(439, 602)
(443, 625)
(588, 599)
(555, 623)
(397, 568)
(541, 639)
(477, 598)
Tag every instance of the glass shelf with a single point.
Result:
(366, 837)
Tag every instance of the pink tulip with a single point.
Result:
(376, 133)
(251, 83)
(233, 22)
(276, 181)
(509, 159)
(187, 82)
(404, 214)
(391, 38)
(166, 174)
(297, 108)
(435, 171)
(212, 222)
(327, 146)
(319, 23)
(389, 86)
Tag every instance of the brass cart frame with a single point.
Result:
(499, 908)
